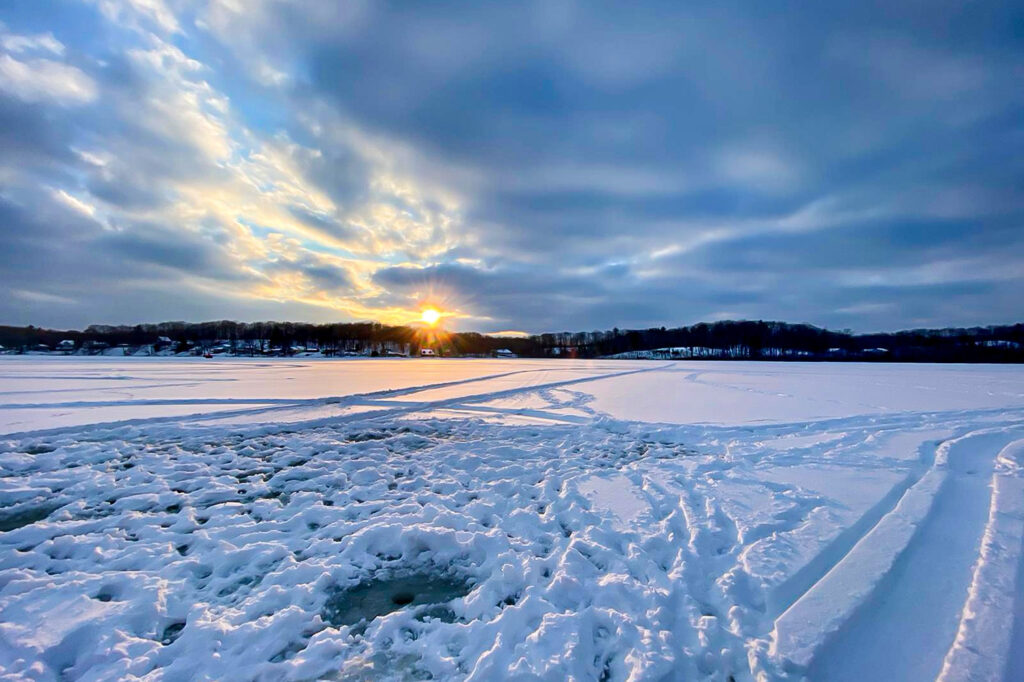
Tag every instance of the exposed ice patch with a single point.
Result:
(382, 595)
(24, 515)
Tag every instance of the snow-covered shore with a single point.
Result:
(235, 520)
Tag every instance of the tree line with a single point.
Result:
(276, 338)
(751, 340)
(760, 340)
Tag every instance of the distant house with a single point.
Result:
(504, 353)
(67, 345)
(1000, 343)
(427, 353)
(95, 346)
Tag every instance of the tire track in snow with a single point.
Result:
(458, 401)
(355, 400)
(797, 585)
(906, 626)
(988, 644)
(278, 404)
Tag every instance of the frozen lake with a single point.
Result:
(239, 519)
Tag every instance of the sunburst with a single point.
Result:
(430, 316)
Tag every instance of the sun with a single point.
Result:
(430, 316)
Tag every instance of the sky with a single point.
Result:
(535, 166)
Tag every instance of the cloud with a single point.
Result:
(38, 80)
(140, 14)
(42, 298)
(75, 203)
(41, 42)
(553, 165)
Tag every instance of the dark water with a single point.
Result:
(25, 517)
(381, 596)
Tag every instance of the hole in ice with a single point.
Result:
(381, 596)
(171, 633)
(403, 598)
(38, 449)
(25, 517)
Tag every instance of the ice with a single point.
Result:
(480, 520)
(383, 595)
(16, 517)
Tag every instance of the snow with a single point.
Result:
(617, 496)
(230, 519)
(717, 392)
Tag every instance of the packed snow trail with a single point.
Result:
(904, 631)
